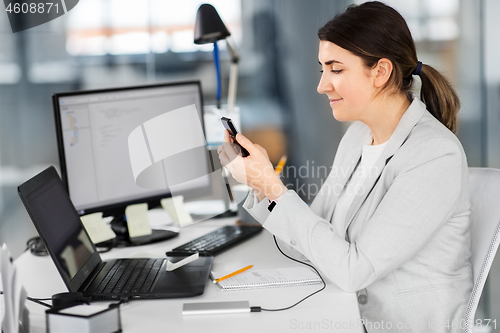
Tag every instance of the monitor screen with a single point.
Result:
(93, 128)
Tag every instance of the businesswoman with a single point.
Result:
(391, 221)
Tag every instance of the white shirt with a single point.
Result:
(369, 157)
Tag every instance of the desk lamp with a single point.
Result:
(209, 28)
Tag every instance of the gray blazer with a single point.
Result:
(405, 244)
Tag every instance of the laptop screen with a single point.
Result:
(58, 224)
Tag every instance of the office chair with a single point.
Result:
(485, 232)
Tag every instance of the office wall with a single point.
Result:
(491, 120)
(492, 78)
(470, 83)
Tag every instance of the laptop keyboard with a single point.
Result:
(130, 276)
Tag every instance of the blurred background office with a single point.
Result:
(108, 43)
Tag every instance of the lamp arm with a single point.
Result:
(233, 78)
(234, 55)
(233, 81)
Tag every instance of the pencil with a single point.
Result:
(232, 274)
(280, 165)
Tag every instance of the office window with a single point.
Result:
(429, 20)
(119, 27)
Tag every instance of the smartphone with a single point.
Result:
(228, 124)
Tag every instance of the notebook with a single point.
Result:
(80, 265)
(269, 278)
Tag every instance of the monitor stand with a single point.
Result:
(119, 226)
(228, 212)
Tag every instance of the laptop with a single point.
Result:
(79, 263)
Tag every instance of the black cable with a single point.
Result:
(36, 246)
(123, 300)
(43, 299)
(39, 301)
(36, 300)
(258, 308)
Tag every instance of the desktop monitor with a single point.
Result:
(92, 134)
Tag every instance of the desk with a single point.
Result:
(330, 310)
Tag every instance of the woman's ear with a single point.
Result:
(383, 71)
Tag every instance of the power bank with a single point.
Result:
(215, 308)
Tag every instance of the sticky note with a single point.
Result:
(175, 208)
(137, 220)
(159, 217)
(213, 129)
(97, 229)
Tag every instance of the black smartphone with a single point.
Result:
(229, 126)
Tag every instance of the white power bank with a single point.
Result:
(215, 308)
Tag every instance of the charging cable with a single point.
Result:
(259, 309)
(36, 300)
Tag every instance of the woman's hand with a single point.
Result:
(254, 170)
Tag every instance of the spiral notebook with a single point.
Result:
(269, 278)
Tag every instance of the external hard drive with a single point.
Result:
(215, 307)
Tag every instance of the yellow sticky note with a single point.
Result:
(137, 220)
(97, 229)
(175, 208)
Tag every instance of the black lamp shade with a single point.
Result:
(209, 27)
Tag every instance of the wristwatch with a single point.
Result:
(271, 205)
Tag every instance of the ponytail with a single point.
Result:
(439, 97)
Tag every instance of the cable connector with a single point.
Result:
(255, 309)
(123, 300)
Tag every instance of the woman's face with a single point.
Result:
(346, 81)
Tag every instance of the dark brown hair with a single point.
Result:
(374, 31)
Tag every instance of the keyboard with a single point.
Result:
(130, 276)
(216, 241)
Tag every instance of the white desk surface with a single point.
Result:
(330, 310)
